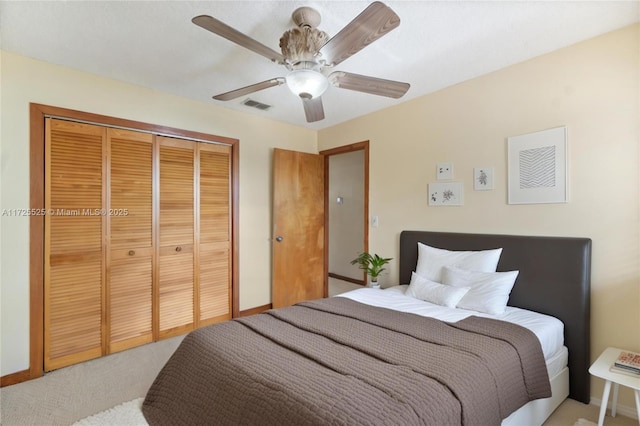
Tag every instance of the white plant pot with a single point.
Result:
(374, 284)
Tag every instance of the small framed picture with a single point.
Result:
(446, 194)
(444, 171)
(483, 178)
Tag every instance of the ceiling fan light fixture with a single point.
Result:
(307, 83)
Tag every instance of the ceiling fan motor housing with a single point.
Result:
(306, 17)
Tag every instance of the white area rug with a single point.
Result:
(584, 422)
(125, 414)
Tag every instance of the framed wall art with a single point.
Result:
(537, 165)
(446, 194)
(444, 171)
(483, 178)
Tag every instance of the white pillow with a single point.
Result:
(424, 289)
(431, 260)
(489, 290)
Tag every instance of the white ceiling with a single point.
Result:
(438, 44)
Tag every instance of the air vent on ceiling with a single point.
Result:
(258, 105)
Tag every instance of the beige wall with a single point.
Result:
(593, 89)
(24, 80)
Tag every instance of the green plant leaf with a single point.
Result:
(372, 264)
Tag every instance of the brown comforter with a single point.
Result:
(337, 361)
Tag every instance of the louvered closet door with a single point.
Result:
(74, 268)
(130, 226)
(176, 242)
(214, 233)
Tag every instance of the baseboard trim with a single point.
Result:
(348, 279)
(15, 378)
(623, 410)
(255, 310)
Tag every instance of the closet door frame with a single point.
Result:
(38, 113)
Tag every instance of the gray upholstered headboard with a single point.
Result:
(554, 279)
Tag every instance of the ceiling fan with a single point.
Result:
(308, 53)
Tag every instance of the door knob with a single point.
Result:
(279, 239)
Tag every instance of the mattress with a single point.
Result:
(549, 330)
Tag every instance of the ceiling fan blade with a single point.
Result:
(227, 96)
(374, 22)
(223, 30)
(366, 84)
(313, 109)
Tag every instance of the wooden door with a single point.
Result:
(131, 239)
(298, 227)
(74, 230)
(176, 236)
(214, 233)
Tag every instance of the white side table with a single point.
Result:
(601, 368)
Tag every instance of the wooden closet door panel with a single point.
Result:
(131, 189)
(176, 192)
(131, 238)
(215, 193)
(74, 231)
(176, 236)
(73, 330)
(215, 283)
(176, 293)
(214, 233)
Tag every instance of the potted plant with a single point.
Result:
(373, 265)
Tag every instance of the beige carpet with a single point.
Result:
(575, 413)
(129, 414)
(69, 394)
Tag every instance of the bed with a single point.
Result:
(342, 361)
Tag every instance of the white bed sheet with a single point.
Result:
(548, 329)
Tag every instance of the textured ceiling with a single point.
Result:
(438, 44)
